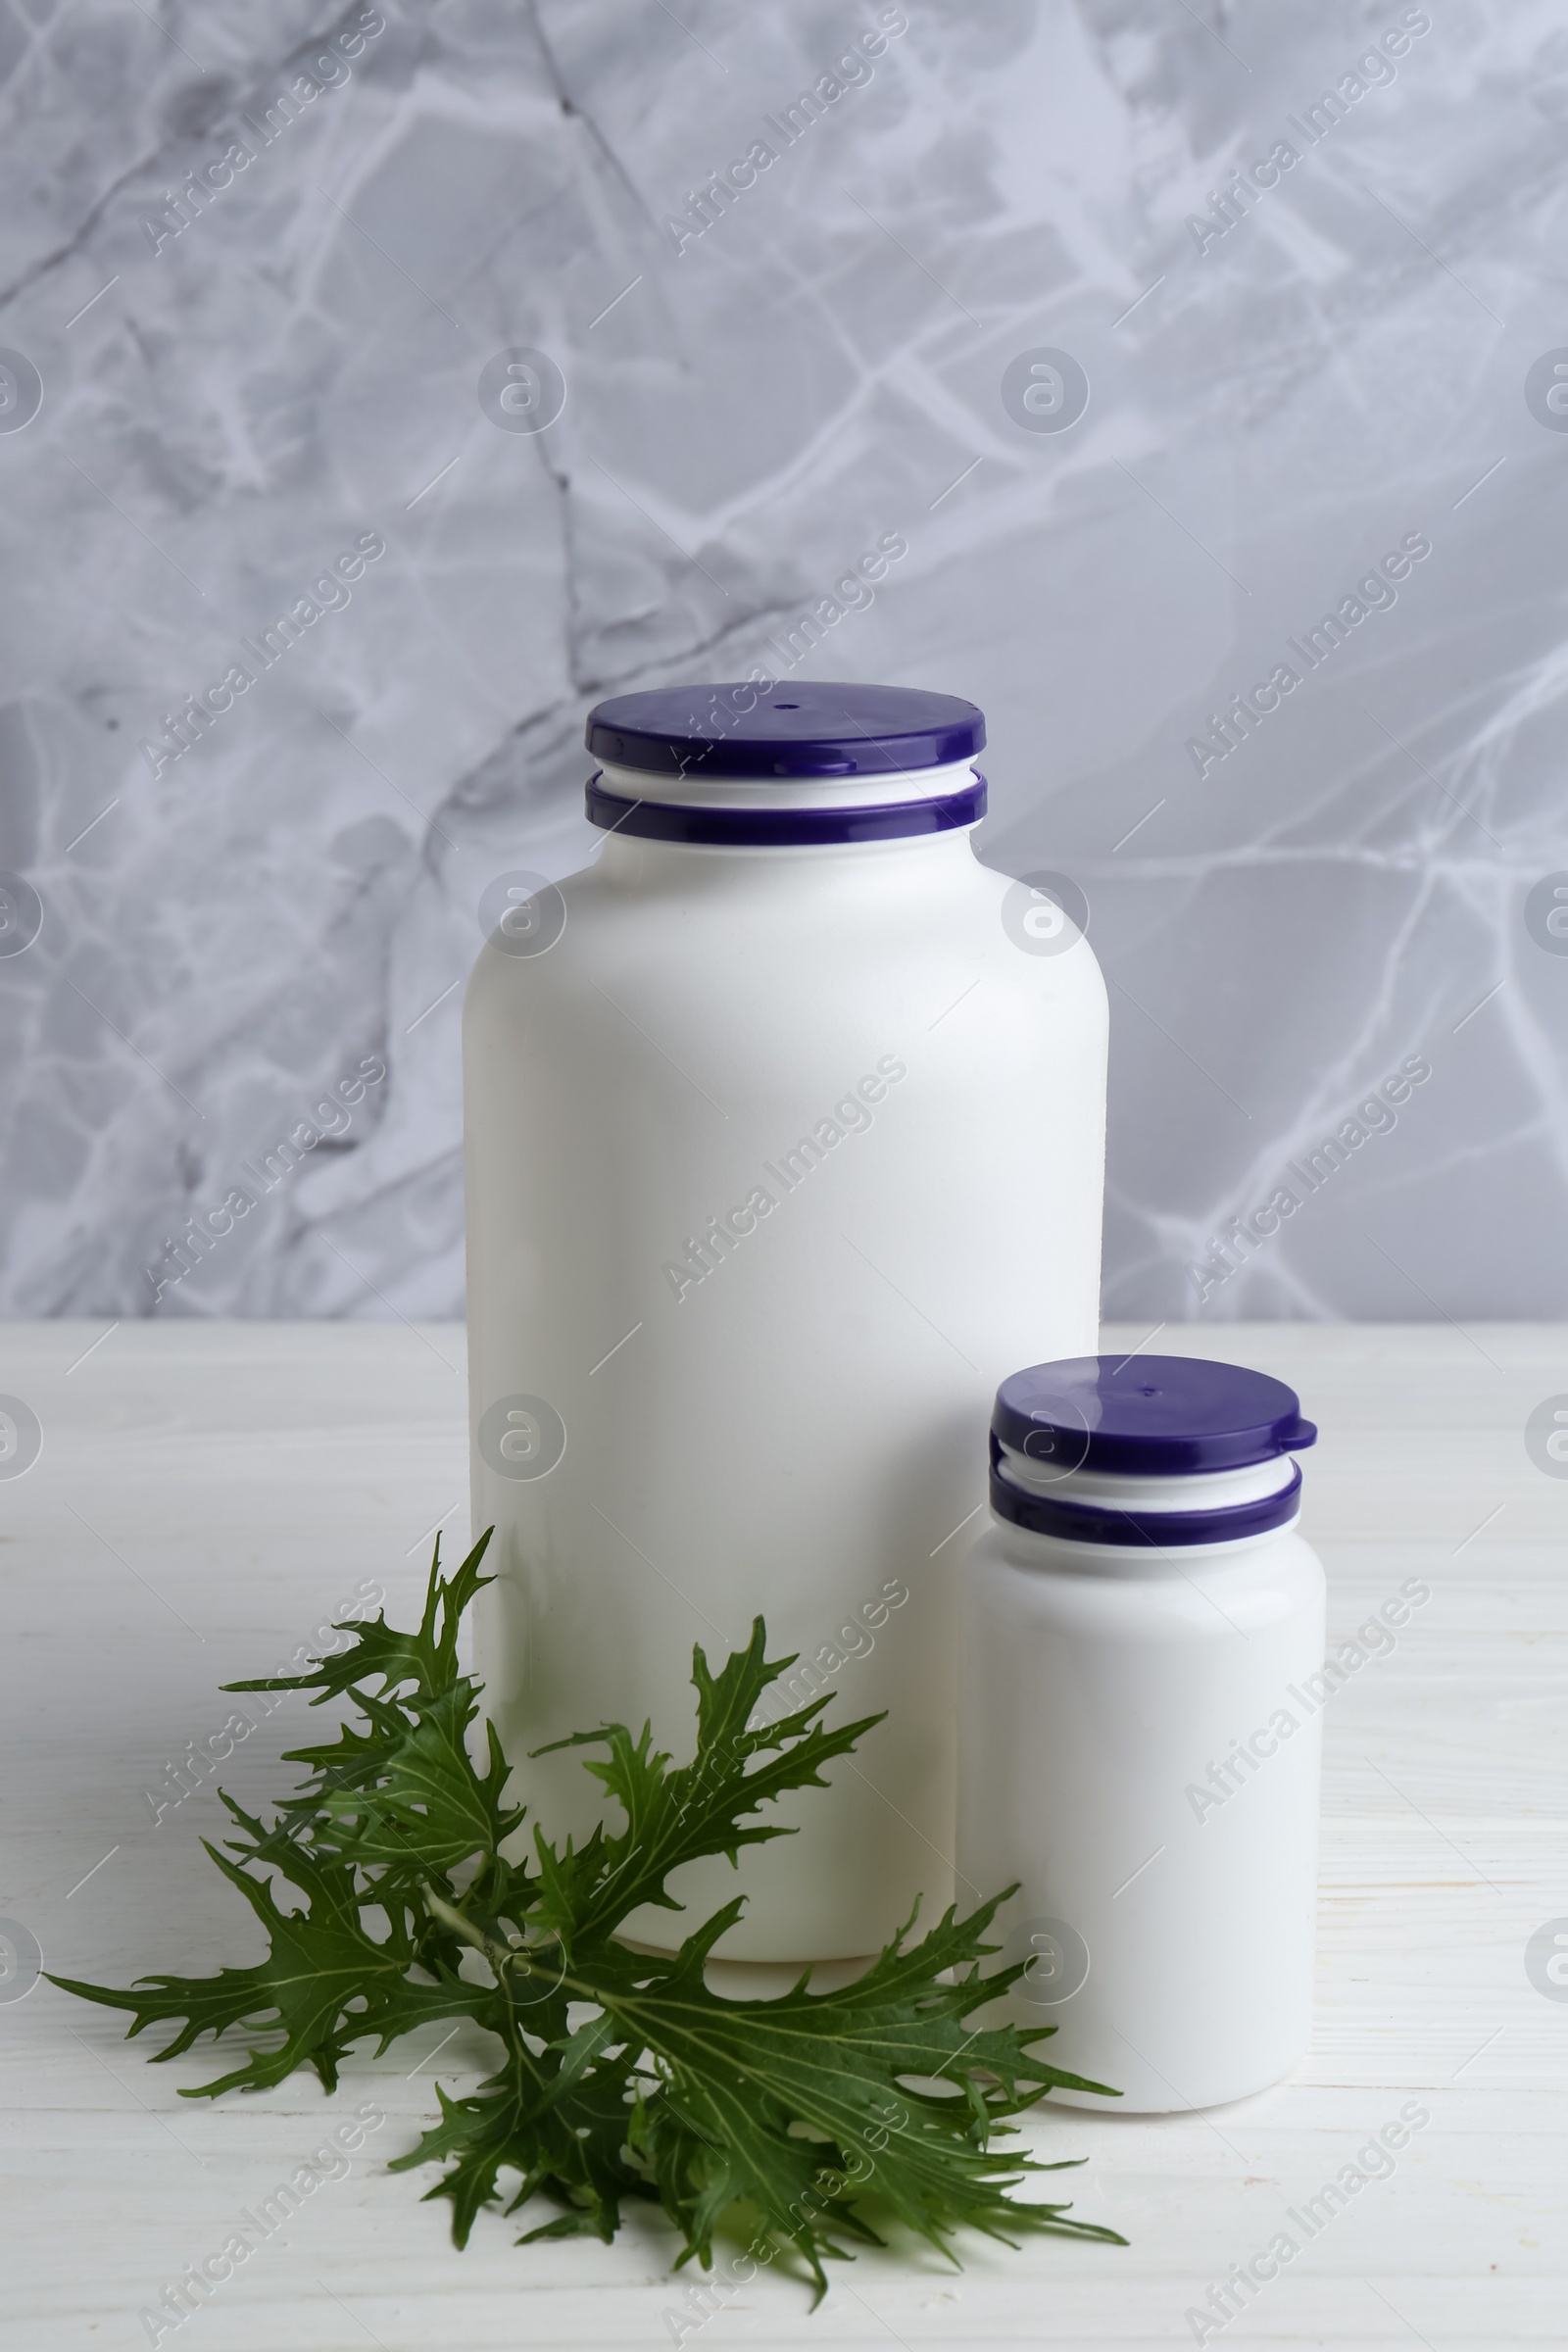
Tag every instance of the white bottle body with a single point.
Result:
(794, 1435)
(1166, 1911)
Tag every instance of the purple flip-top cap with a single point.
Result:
(788, 733)
(1150, 1414)
(805, 730)
(1144, 1416)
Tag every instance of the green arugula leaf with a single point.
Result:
(621, 2073)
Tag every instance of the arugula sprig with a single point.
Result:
(621, 2073)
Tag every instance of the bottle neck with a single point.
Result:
(770, 813)
(697, 791)
(1115, 1489)
(1154, 1513)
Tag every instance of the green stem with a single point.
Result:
(499, 1956)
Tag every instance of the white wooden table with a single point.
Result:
(207, 1495)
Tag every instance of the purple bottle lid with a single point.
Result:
(1143, 1416)
(781, 735)
(802, 731)
(1149, 1415)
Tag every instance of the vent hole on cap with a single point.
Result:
(786, 706)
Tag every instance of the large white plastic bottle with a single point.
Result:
(784, 1138)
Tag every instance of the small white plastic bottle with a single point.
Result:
(1138, 1728)
(784, 1130)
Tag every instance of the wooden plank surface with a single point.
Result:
(209, 1494)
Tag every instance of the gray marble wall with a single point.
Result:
(1332, 394)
